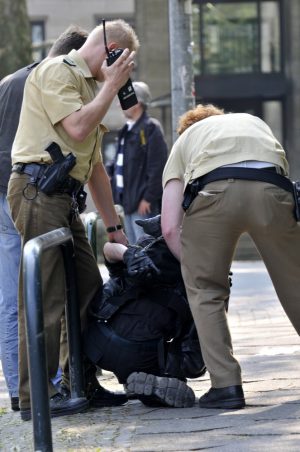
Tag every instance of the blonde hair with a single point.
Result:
(122, 33)
(197, 114)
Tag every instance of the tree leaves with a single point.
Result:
(15, 36)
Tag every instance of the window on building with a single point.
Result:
(236, 37)
(38, 40)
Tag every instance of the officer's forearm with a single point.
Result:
(171, 215)
(100, 189)
(79, 124)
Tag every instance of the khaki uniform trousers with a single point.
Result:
(220, 213)
(34, 216)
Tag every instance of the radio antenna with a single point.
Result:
(104, 35)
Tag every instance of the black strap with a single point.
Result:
(262, 175)
(115, 302)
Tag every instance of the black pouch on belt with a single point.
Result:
(55, 174)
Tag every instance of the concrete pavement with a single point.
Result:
(269, 352)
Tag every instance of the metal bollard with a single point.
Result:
(38, 373)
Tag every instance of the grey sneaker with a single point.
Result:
(159, 391)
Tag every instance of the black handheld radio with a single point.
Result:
(126, 94)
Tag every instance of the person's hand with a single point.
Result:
(144, 207)
(119, 72)
(118, 237)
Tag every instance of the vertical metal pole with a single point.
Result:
(73, 323)
(36, 348)
(36, 344)
(182, 79)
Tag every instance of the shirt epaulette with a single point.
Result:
(69, 61)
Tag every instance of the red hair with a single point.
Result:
(197, 114)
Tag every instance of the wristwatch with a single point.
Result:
(115, 228)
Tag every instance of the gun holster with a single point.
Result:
(190, 194)
(55, 174)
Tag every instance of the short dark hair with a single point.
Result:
(72, 38)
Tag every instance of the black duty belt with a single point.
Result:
(268, 175)
(35, 171)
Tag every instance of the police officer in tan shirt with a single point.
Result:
(63, 105)
(229, 173)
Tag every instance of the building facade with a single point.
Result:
(246, 56)
(247, 59)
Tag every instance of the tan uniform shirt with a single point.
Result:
(55, 89)
(222, 140)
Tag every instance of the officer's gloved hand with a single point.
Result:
(138, 263)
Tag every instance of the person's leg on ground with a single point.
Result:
(89, 283)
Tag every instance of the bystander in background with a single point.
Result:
(137, 169)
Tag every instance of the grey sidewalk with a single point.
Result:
(269, 352)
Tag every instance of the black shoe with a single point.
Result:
(160, 391)
(102, 397)
(61, 405)
(14, 403)
(231, 397)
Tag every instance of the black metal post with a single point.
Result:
(36, 347)
(38, 372)
(73, 323)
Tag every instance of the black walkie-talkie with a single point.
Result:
(126, 94)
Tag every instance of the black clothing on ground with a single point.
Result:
(145, 326)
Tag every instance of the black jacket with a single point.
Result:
(145, 155)
(11, 97)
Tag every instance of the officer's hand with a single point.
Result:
(139, 265)
(118, 237)
(119, 72)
